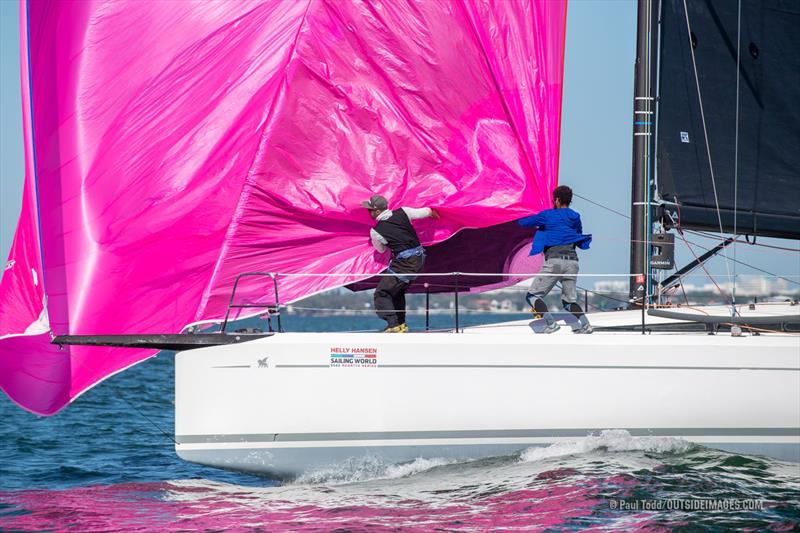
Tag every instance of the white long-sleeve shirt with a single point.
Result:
(413, 213)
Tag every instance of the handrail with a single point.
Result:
(277, 305)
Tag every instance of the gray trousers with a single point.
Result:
(568, 268)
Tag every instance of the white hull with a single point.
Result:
(278, 406)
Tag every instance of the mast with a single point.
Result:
(643, 131)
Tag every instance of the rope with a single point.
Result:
(602, 206)
(501, 325)
(599, 293)
(702, 265)
(683, 290)
(705, 134)
(776, 276)
(736, 147)
(135, 408)
(84, 364)
(737, 261)
(745, 240)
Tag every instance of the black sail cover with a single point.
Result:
(768, 192)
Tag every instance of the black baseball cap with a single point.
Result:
(376, 202)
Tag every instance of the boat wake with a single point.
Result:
(367, 469)
(371, 468)
(609, 440)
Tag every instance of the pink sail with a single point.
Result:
(171, 146)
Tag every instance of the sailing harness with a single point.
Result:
(419, 251)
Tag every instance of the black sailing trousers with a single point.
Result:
(390, 294)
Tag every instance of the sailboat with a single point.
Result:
(220, 167)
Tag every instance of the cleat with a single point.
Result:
(396, 329)
(404, 328)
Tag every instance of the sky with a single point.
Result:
(596, 140)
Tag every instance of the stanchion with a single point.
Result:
(456, 294)
(427, 307)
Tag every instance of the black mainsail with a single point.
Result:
(757, 176)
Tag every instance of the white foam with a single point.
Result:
(369, 468)
(611, 440)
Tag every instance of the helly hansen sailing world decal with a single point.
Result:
(351, 356)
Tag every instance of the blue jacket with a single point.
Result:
(556, 226)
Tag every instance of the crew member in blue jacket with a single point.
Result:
(559, 232)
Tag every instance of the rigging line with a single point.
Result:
(777, 276)
(488, 326)
(434, 274)
(702, 265)
(693, 232)
(683, 290)
(526, 288)
(602, 295)
(710, 236)
(133, 406)
(735, 260)
(705, 132)
(736, 147)
(601, 206)
(685, 240)
(671, 292)
(85, 365)
(434, 311)
(703, 247)
(786, 248)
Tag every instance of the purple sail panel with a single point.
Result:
(174, 145)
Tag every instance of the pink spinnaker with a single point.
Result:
(171, 146)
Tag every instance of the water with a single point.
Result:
(107, 463)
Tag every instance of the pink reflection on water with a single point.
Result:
(175, 507)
